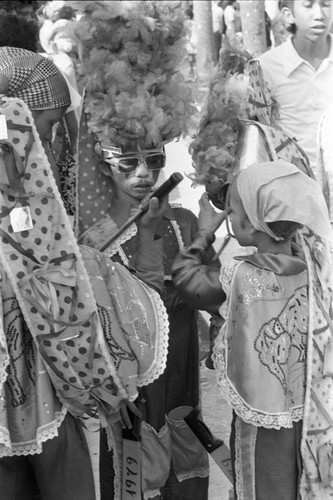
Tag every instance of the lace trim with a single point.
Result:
(48, 431)
(253, 443)
(162, 343)
(227, 273)
(245, 443)
(4, 358)
(163, 430)
(151, 494)
(116, 247)
(178, 233)
(238, 462)
(202, 472)
(242, 409)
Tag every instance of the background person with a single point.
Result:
(299, 72)
(218, 28)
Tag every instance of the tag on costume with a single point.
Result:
(20, 219)
(131, 477)
(3, 128)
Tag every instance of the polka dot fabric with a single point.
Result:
(94, 187)
(49, 278)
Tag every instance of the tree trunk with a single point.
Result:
(253, 26)
(202, 15)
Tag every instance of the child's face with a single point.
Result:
(313, 18)
(241, 225)
(137, 182)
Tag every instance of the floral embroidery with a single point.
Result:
(282, 335)
(257, 285)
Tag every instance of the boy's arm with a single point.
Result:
(196, 278)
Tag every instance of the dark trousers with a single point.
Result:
(277, 462)
(61, 472)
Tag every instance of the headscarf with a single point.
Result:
(279, 191)
(34, 79)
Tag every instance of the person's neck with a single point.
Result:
(312, 52)
(121, 207)
(266, 244)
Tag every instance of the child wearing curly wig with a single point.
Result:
(273, 355)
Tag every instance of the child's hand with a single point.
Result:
(208, 217)
(153, 216)
(125, 404)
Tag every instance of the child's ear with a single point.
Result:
(288, 16)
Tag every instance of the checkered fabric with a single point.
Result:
(34, 79)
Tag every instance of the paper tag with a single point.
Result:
(131, 483)
(20, 219)
(3, 128)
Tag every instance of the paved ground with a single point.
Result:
(217, 416)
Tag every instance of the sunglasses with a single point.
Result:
(129, 162)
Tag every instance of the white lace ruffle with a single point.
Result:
(162, 343)
(227, 273)
(116, 246)
(48, 431)
(202, 472)
(242, 409)
(4, 358)
(245, 462)
(176, 228)
(151, 494)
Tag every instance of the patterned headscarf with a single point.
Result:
(34, 79)
(277, 191)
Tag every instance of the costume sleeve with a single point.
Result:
(195, 273)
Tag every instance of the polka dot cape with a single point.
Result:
(47, 273)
